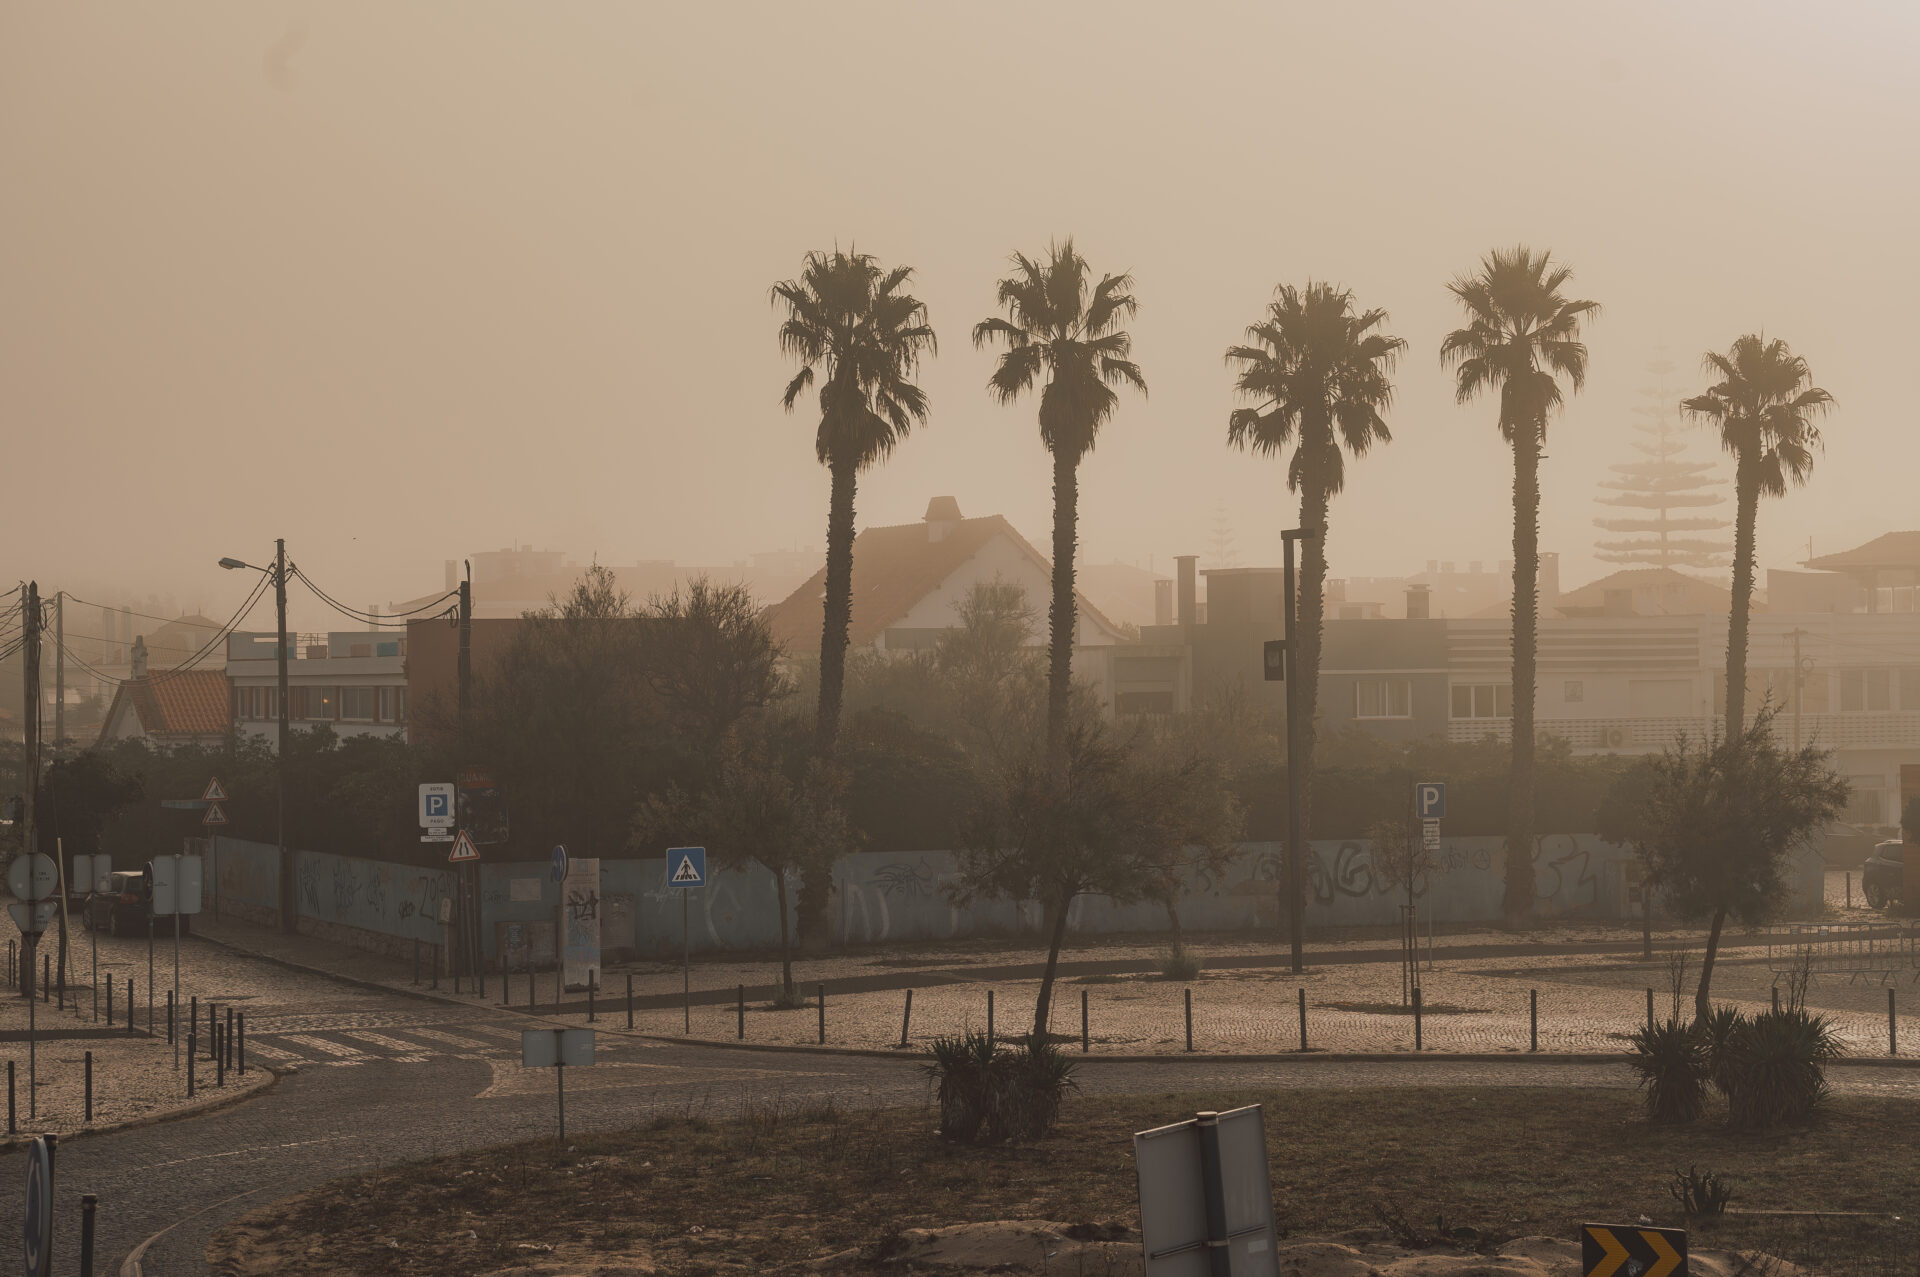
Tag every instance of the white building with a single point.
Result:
(356, 683)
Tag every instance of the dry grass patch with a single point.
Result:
(782, 1185)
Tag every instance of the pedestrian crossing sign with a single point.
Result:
(686, 867)
(463, 849)
(214, 794)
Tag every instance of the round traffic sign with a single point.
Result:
(33, 877)
(560, 863)
(37, 1233)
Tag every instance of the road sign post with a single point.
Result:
(555, 1049)
(686, 871)
(1206, 1202)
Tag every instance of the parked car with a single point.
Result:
(1881, 877)
(122, 908)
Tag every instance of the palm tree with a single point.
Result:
(1522, 336)
(1060, 327)
(1317, 372)
(853, 322)
(1764, 406)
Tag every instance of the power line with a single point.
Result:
(108, 607)
(219, 636)
(390, 620)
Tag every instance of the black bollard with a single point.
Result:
(226, 1040)
(1533, 1019)
(591, 1012)
(193, 1019)
(1303, 1019)
(13, 1116)
(88, 1203)
(130, 1007)
(109, 1002)
(1650, 1007)
(89, 1087)
(906, 1018)
(169, 1017)
(1086, 1042)
(989, 1015)
(1893, 1035)
(823, 1014)
(739, 1010)
(1416, 1017)
(1189, 993)
(243, 1043)
(629, 1000)
(1776, 999)
(213, 1022)
(219, 1059)
(46, 978)
(192, 1047)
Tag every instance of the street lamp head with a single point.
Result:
(231, 564)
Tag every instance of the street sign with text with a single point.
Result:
(33, 877)
(436, 804)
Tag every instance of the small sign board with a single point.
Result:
(214, 793)
(35, 917)
(546, 1048)
(1430, 837)
(33, 877)
(1275, 654)
(1631, 1251)
(463, 849)
(177, 883)
(216, 815)
(559, 869)
(436, 804)
(446, 910)
(686, 867)
(1176, 1185)
(1430, 800)
(90, 873)
(37, 1233)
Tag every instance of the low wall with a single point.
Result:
(885, 896)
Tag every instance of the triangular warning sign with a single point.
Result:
(463, 849)
(686, 872)
(214, 815)
(214, 793)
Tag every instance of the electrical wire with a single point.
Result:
(219, 637)
(107, 607)
(388, 620)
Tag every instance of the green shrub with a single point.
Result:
(1774, 1068)
(1180, 963)
(1671, 1059)
(1701, 1192)
(990, 1094)
(1719, 1029)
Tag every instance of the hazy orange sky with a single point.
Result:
(402, 281)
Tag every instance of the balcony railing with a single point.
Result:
(1875, 730)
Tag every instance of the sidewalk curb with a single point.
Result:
(14, 1144)
(373, 986)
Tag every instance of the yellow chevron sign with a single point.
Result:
(1610, 1249)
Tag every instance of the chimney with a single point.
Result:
(453, 576)
(1184, 570)
(1418, 608)
(943, 515)
(1615, 603)
(140, 656)
(1163, 602)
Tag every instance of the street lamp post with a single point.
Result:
(1296, 861)
(278, 574)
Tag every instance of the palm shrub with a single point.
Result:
(1774, 1067)
(1718, 1030)
(990, 1094)
(1671, 1059)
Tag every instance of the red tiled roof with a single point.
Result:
(893, 569)
(182, 703)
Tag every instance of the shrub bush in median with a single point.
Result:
(990, 1094)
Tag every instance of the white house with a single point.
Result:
(355, 683)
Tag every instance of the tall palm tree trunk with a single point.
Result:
(1060, 615)
(817, 878)
(1746, 506)
(1310, 621)
(1056, 928)
(1517, 902)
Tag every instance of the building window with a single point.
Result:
(1573, 691)
(1863, 803)
(1383, 698)
(1867, 690)
(316, 704)
(357, 704)
(1483, 700)
(387, 709)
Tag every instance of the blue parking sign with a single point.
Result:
(1430, 800)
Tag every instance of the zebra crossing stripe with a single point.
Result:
(337, 1049)
(384, 1042)
(448, 1039)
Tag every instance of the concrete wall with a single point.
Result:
(883, 896)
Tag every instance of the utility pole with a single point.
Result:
(30, 739)
(289, 919)
(59, 669)
(1296, 850)
(470, 874)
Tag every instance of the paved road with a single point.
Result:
(377, 1078)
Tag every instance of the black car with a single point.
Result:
(1882, 875)
(121, 907)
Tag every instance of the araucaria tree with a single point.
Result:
(1522, 336)
(1316, 371)
(1719, 820)
(859, 335)
(1764, 405)
(1063, 329)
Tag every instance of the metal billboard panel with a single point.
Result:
(191, 881)
(166, 884)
